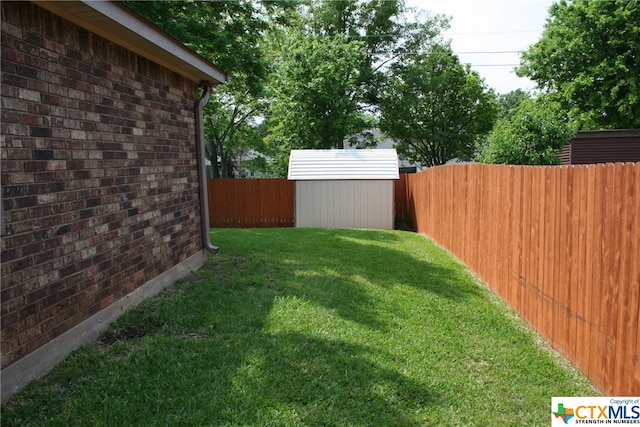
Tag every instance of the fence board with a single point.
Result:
(515, 253)
(626, 198)
(595, 336)
(634, 339)
(607, 319)
(528, 302)
(554, 272)
(401, 199)
(562, 322)
(589, 288)
(580, 215)
(549, 252)
(574, 250)
(633, 357)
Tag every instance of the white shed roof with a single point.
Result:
(343, 164)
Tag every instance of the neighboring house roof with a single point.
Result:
(343, 164)
(125, 27)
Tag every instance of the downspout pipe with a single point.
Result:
(201, 101)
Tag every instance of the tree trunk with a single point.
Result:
(213, 158)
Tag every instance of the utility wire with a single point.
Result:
(488, 32)
(487, 52)
(495, 65)
(445, 33)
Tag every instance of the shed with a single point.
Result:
(344, 188)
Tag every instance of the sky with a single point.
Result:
(480, 27)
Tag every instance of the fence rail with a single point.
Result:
(561, 245)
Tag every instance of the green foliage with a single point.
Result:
(436, 109)
(386, 29)
(231, 126)
(588, 58)
(329, 72)
(228, 33)
(532, 135)
(510, 101)
(312, 103)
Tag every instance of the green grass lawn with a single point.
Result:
(314, 327)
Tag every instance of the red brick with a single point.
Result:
(56, 165)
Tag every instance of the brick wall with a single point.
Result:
(99, 178)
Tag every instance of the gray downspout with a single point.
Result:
(202, 167)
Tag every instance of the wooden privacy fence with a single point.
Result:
(251, 203)
(560, 244)
(238, 203)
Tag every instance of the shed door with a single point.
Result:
(345, 204)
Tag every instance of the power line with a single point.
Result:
(489, 32)
(469, 53)
(495, 65)
(488, 52)
(444, 33)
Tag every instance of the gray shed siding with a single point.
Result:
(345, 204)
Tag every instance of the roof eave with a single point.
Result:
(121, 25)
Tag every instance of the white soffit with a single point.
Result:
(343, 164)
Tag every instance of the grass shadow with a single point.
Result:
(324, 380)
(345, 270)
(304, 327)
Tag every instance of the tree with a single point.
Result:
(510, 101)
(533, 135)
(329, 71)
(436, 109)
(386, 29)
(318, 66)
(230, 129)
(312, 104)
(228, 33)
(588, 58)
